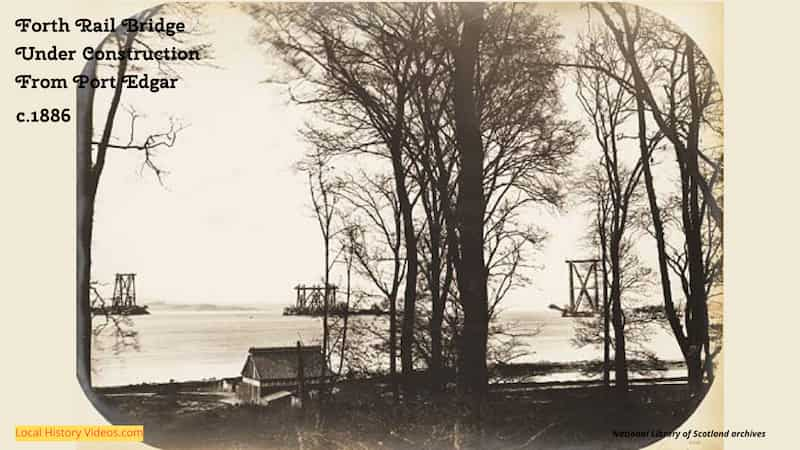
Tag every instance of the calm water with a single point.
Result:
(192, 345)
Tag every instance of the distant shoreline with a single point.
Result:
(352, 312)
(206, 307)
(255, 306)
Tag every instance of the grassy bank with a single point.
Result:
(365, 416)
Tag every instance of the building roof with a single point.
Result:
(280, 363)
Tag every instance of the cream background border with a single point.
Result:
(37, 172)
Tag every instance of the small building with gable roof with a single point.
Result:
(268, 370)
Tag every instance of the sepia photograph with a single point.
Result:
(398, 225)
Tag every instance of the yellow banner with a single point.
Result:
(130, 433)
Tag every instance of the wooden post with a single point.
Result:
(301, 376)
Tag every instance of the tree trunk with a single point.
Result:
(85, 205)
(451, 244)
(396, 279)
(88, 175)
(436, 368)
(708, 361)
(393, 345)
(658, 228)
(697, 328)
(345, 317)
(410, 293)
(470, 209)
(410, 240)
(606, 309)
(626, 42)
(437, 309)
(620, 363)
(325, 306)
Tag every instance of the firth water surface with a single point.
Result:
(183, 344)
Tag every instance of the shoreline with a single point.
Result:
(525, 373)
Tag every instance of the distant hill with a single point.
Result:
(201, 307)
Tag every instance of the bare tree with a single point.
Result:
(93, 143)
(357, 58)
(526, 145)
(609, 105)
(348, 252)
(471, 206)
(693, 97)
(432, 153)
(678, 261)
(381, 80)
(633, 280)
(658, 54)
(375, 233)
(324, 200)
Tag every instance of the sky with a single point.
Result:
(232, 223)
